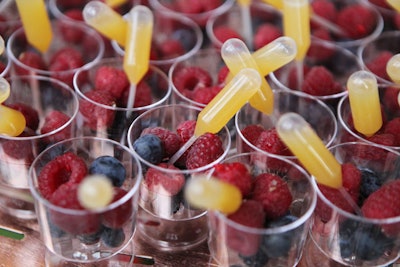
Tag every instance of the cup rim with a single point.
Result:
(184, 172)
(70, 23)
(61, 85)
(276, 230)
(348, 214)
(40, 199)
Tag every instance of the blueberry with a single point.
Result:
(259, 259)
(370, 182)
(185, 37)
(90, 239)
(278, 245)
(363, 241)
(113, 237)
(55, 231)
(110, 167)
(150, 148)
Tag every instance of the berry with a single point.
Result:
(75, 14)
(117, 217)
(96, 116)
(63, 61)
(110, 167)
(111, 79)
(95, 191)
(292, 76)
(66, 168)
(69, 34)
(185, 37)
(351, 180)
(31, 59)
(249, 214)
(377, 64)
(265, 34)
(321, 53)
(143, 96)
(223, 33)
(170, 48)
(251, 133)
(274, 194)
(257, 260)
(191, 77)
(356, 20)
(206, 149)
(319, 81)
(54, 121)
(325, 9)
(393, 127)
(375, 153)
(113, 237)
(19, 149)
(222, 74)
(389, 100)
(204, 95)
(381, 3)
(164, 182)
(235, 173)
(31, 115)
(150, 148)
(370, 182)
(185, 130)
(171, 141)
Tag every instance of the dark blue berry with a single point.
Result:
(362, 241)
(90, 239)
(110, 167)
(55, 231)
(278, 245)
(113, 237)
(185, 37)
(150, 148)
(259, 259)
(370, 182)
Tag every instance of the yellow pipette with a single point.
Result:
(395, 4)
(106, 21)
(237, 56)
(137, 48)
(36, 23)
(309, 149)
(212, 194)
(12, 122)
(115, 3)
(1, 46)
(247, 32)
(393, 68)
(364, 101)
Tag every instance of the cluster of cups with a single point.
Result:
(313, 242)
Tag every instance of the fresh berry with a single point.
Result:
(31, 59)
(318, 52)
(54, 121)
(110, 167)
(249, 214)
(96, 116)
(170, 140)
(375, 153)
(19, 149)
(356, 20)
(31, 115)
(377, 64)
(63, 61)
(265, 34)
(370, 182)
(113, 237)
(319, 81)
(223, 33)
(197, 6)
(117, 217)
(204, 95)
(170, 48)
(251, 134)
(292, 82)
(75, 14)
(235, 173)
(325, 9)
(206, 149)
(381, 3)
(258, 259)
(222, 74)
(111, 79)
(66, 168)
(351, 180)
(274, 194)
(393, 127)
(185, 37)
(191, 77)
(150, 148)
(185, 130)
(389, 100)
(70, 34)
(169, 182)
(143, 96)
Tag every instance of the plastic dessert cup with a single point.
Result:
(66, 34)
(110, 121)
(388, 14)
(49, 98)
(165, 220)
(275, 246)
(314, 111)
(9, 19)
(5, 65)
(91, 236)
(350, 238)
(175, 7)
(181, 29)
(332, 58)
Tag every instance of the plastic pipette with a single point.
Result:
(106, 21)
(1, 45)
(393, 68)
(246, 21)
(36, 23)
(395, 4)
(115, 3)
(364, 102)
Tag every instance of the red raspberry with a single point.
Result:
(251, 133)
(67, 168)
(19, 149)
(351, 180)
(31, 115)
(372, 153)
(319, 81)
(170, 48)
(381, 3)
(204, 95)
(223, 33)
(384, 203)
(377, 65)
(235, 173)
(164, 182)
(292, 82)
(31, 59)
(62, 62)
(249, 214)
(116, 218)
(75, 14)
(197, 6)
(186, 129)
(53, 121)
(112, 80)
(94, 115)
(222, 74)
(70, 34)
(389, 100)
(274, 194)
(325, 9)
(66, 197)
(191, 77)
(143, 96)
(356, 20)
(393, 127)
(265, 34)
(206, 149)
(171, 141)
(319, 52)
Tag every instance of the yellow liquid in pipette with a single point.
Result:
(115, 3)
(306, 145)
(36, 23)
(278, 4)
(364, 102)
(12, 122)
(395, 4)
(296, 24)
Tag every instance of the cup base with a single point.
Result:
(17, 208)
